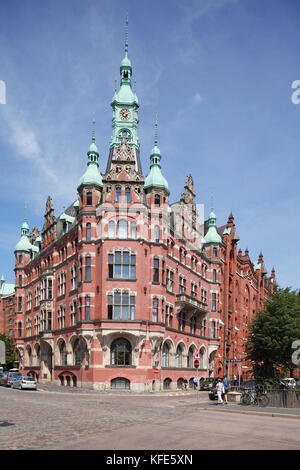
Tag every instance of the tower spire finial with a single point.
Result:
(126, 35)
(212, 202)
(93, 129)
(155, 131)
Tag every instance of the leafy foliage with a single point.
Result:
(271, 334)
(10, 353)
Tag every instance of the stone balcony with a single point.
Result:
(186, 302)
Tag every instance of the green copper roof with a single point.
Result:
(155, 177)
(212, 235)
(67, 218)
(125, 95)
(92, 174)
(24, 243)
(7, 289)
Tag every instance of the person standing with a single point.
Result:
(220, 391)
(226, 389)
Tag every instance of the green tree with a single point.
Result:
(10, 352)
(271, 334)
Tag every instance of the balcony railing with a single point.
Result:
(190, 303)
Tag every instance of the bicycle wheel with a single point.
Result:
(263, 400)
(245, 399)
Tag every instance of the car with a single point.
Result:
(11, 376)
(207, 384)
(3, 378)
(22, 382)
(289, 382)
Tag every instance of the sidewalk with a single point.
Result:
(251, 410)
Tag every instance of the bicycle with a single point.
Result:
(255, 397)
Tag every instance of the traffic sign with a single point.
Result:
(236, 360)
(197, 356)
(156, 371)
(196, 363)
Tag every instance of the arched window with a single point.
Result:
(165, 355)
(63, 354)
(121, 352)
(178, 356)
(202, 357)
(77, 352)
(127, 194)
(111, 229)
(122, 230)
(88, 231)
(118, 194)
(190, 360)
(167, 384)
(120, 383)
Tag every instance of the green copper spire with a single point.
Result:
(24, 243)
(155, 177)
(212, 235)
(125, 105)
(92, 174)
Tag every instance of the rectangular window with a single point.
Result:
(155, 310)
(87, 307)
(193, 325)
(193, 290)
(156, 270)
(50, 289)
(121, 265)
(214, 302)
(19, 304)
(88, 268)
(181, 321)
(214, 275)
(121, 306)
(170, 276)
(182, 285)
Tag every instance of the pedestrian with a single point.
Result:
(220, 391)
(226, 389)
(195, 380)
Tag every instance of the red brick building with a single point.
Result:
(7, 309)
(124, 281)
(245, 287)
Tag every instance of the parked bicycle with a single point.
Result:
(257, 396)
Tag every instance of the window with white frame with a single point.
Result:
(170, 280)
(61, 317)
(121, 265)
(155, 309)
(121, 306)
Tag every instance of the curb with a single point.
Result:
(256, 413)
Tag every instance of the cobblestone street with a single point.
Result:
(76, 419)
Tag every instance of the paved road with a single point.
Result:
(50, 420)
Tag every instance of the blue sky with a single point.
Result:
(217, 72)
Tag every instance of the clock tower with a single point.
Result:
(125, 113)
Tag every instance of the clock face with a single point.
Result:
(125, 114)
